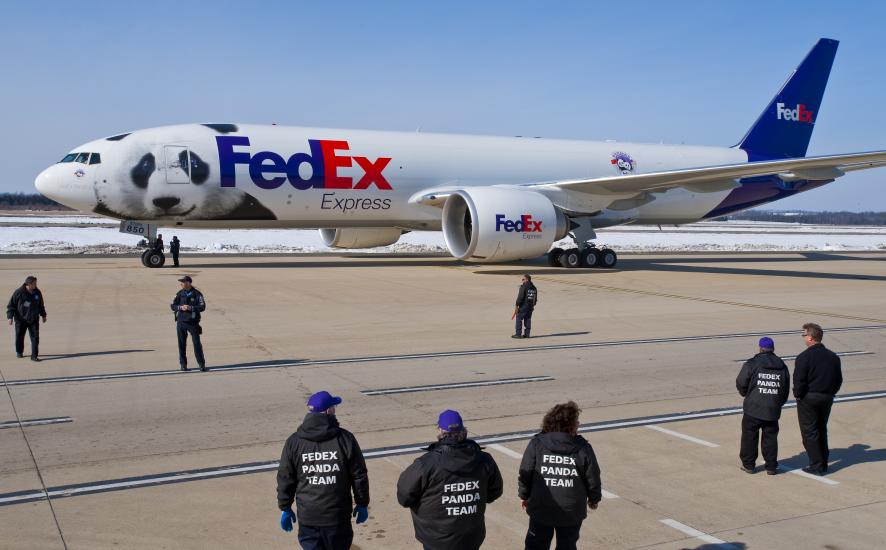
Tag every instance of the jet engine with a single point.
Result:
(497, 224)
(360, 237)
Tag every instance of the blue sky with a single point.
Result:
(687, 72)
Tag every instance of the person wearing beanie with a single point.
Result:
(320, 469)
(24, 310)
(448, 488)
(764, 382)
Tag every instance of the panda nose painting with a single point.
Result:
(166, 203)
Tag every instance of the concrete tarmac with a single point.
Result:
(133, 453)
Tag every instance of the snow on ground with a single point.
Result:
(87, 237)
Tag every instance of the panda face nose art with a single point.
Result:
(166, 202)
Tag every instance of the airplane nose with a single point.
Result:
(166, 202)
(59, 184)
(45, 183)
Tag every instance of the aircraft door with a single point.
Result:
(177, 164)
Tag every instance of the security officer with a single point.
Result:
(173, 249)
(817, 379)
(527, 298)
(320, 467)
(158, 244)
(24, 309)
(448, 488)
(559, 480)
(764, 382)
(187, 305)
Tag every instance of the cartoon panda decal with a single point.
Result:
(138, 186)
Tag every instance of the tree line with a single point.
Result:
(28, 201)
(819, 218)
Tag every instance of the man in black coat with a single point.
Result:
(187, 305)
(173, 249)
(817, 379)
(448, 489)
(321, 466)
(24, 309)
(764, 382)
(527, 298)
(559, 480)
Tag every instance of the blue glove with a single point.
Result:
(287, 518)
(361, 513)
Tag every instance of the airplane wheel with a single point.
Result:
(608, 258)
(570, 258)
(145, 257)
(554, 257)
(155, 259)
(590, 258)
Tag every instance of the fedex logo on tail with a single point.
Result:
(269, 170)
(525, 224)
(798, 114)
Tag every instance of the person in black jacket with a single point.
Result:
(321, 466)
(174, 245)
(448, 489)
(559, 480)
(24, 309)
(187, 305)
(527, 298)
(764, 382)
(817, 379)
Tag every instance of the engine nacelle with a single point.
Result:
(496, 224)
(360, 237)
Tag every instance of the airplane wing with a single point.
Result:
(711, 178)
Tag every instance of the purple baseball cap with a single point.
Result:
(766, 343)
(450, 421)
(322, 401)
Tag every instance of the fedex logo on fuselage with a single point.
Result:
(269, 170)
(523, 225)
(799, 114)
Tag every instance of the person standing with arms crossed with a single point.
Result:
(559, 480)
(818, 376)
(187, 305)
(24, 309)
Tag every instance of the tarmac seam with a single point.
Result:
(428, 355)
(608, 288)
(22, 497)
(45, 492)
(6, 424)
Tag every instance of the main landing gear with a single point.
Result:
(590, 256)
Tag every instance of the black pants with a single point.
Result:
(539, 536)
(813, 412)
(33, 330)
(750, 440)
(338, 537)
(183, 329)
(175, 258)
(524, 319)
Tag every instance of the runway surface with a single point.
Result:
(105, 444)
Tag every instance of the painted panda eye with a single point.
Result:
(142, 171)
(199, 169)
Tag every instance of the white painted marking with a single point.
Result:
(683, 436)
(820, 479)
(608, 495)
(458, 385)
(505, 451)
(38, 422)
(695, 533)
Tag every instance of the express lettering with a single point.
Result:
(268, 170)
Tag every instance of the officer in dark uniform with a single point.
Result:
(559, 480)
(321, 466)
(173, 249)
(817, 379)
(527, 298)
(187, 305)
(24, 309)
(448, 488)
(764, 382)
(158, 243)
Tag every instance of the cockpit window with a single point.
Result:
(82, 157)
(95, 159)
(69, 157)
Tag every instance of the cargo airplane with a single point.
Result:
(496, 199)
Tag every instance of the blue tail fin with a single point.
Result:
(785, 127)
